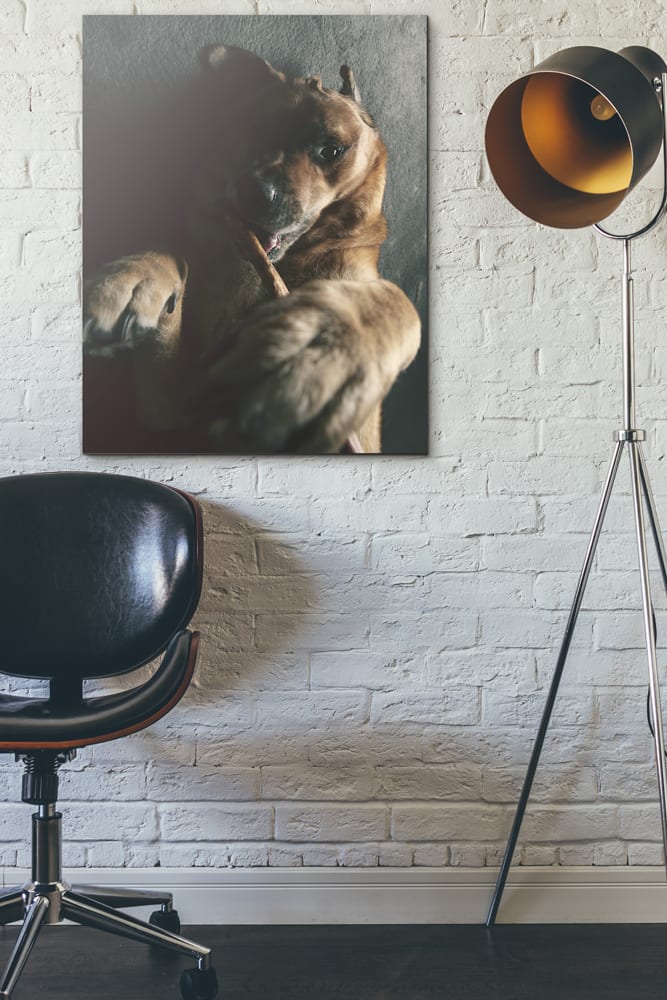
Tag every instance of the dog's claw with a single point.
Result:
(127, 328)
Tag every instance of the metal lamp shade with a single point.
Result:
(569, 140)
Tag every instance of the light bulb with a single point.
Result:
(602, 109)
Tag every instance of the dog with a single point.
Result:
(185, 350)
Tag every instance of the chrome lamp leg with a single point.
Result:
(555, 683)
(34, 918)
(653, 516)
(649, 631)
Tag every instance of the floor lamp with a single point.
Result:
(566, 143)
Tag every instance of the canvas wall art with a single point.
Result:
(254, 235)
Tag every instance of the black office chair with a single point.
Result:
(99, 574)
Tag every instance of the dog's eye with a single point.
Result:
(329, 151)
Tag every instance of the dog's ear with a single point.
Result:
(239, 68)
(349, 88)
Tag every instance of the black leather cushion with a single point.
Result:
(34, 722)
(98, 572)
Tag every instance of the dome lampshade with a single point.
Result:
(569, 140)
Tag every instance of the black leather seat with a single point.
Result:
(100, 575)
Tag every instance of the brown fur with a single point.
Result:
(296, 374)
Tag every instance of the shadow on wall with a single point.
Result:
(255, 595)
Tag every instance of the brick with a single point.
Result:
(360, 668)
(55, 92)
(646, 854)
(423, 554)
(110, 821)
(366, 856)
(517, 17)
(334, 554)
(543, 475)
(57, 322)
(410, 631)
(116, 783)
(450, 822)
(206, 7)
(281, 672)
(640, 822)
(12, 17)
(537, 854)
(401, 476)
(466, 855)
(532, 629)
(312, 632)
(58, 169)
(12, 400)
(36, 132)
(511, 671)
(395, 856)
(577, 855)
(285, 856)
(376, 745)
(573, 708)
(202, 784)
(544, 824)
(327, 823)
(622, 782)
(45, 19)
(617, 17)
(55, 210)
(295, 782)
(483, 516)
(312, 476)
(431, 855)
(14, 169)
(57, 251)
(504, 785)
(213, 821)
(456, 706)
(613, 853)
(217, 747)
(449, 782)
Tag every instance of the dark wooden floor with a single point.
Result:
(577, 962)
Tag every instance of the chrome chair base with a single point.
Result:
(93, 906)
(49, 899)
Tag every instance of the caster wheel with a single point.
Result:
(166, 920)
(199, 984)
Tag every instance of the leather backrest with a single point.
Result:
(97, 572)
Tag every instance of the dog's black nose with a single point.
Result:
(256, 195)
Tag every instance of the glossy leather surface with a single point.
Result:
(27, 722)
(97, 572)
(99, 575)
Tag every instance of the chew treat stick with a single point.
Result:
(252, 250)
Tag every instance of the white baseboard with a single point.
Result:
(392, 895)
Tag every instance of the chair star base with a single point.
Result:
(48, 899)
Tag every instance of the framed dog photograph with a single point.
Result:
(255, 235)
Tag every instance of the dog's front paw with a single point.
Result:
(301, 376)
(133, 301)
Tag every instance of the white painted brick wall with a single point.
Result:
(377, 635)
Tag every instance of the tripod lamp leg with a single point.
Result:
(653, 516)
(649, 634)
(553, 690)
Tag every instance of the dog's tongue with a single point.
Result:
(270, 241)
